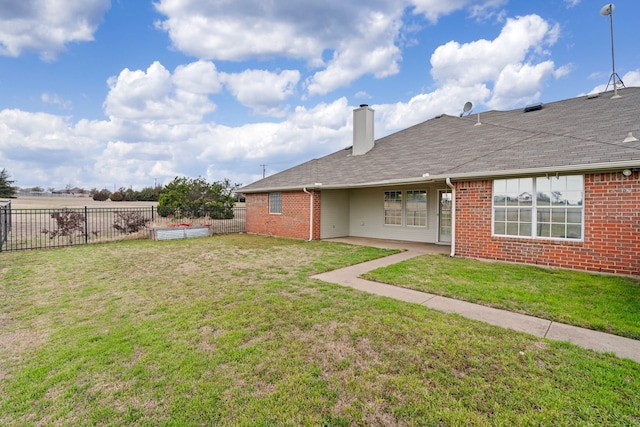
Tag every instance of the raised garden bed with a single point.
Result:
(180, 231)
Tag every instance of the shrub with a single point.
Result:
(197, 198)
(130, 195)
(149, 194)
(130, 222)
(101, 195)
(68, 223)
(117, 196)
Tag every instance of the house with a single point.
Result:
(555, 184)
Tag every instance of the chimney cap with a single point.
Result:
(364, 105)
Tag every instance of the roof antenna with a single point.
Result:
(615, 80)
(466, 109)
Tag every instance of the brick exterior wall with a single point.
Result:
(292, 222)
(611, 228)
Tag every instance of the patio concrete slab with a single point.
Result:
(350, 276)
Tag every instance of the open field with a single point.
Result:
(230, 330)
(72, 202)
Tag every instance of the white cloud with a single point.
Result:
(445, 100)
(156, 95)
(507, 62)
(434, 9)
(248, 29)
(362, 37)
(632, 78)
(372, 52)
(44, 149)
(483, 60)
(262, 90)
(50, 150)
(46, 26)
(306, 132)
(519, 84)
(52, 98)
(198, 77)
(334, 115)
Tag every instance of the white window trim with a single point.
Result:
(403, 210)
(384, 218)
(534, 218)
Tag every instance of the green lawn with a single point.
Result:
(595, 301)
(230, 330)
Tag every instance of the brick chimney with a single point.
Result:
(363, 140)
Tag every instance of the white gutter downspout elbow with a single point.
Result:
(453, 217)
(310, 213)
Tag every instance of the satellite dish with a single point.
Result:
(607, 9)
(466, 109)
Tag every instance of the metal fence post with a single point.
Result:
(2, 226)
(5, 222)
(86, 225)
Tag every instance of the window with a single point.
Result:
(413, 208)
(512, 206)
(559, 203)
(393, 207)
(275, 203)
(544, 207)
(416, 208)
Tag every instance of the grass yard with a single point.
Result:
(229, 330)
(595, 301)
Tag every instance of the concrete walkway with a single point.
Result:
(350, 276)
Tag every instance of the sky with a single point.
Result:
(132, 93)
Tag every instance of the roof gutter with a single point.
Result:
(549, 170)
(453, 217)
(592, 167)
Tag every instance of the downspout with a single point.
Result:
(453, 217)
(310, 213)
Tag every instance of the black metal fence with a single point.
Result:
(50, 228)
(5, 221)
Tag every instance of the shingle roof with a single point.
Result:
(577, 134)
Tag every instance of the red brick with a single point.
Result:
(611, 232)
(292, 222)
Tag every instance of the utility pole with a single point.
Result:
(264, 170)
